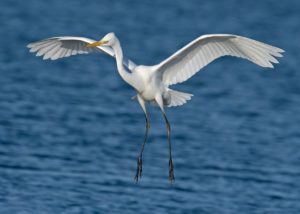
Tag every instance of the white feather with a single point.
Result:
(65, 46)
(197, 54)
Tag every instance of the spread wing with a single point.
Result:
(65, 46)
(190, 59)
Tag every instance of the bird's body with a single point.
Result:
(152, 82)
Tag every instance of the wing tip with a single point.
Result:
(280, 50)
(31, 50)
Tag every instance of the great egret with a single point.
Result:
(152, 82)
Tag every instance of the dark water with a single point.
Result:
(70, 135)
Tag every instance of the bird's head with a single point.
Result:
(108, 40)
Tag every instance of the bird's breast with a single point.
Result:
(148, 93)
(151, 84)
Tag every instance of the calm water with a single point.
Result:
(70, 134)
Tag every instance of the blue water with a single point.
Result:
(70, 134)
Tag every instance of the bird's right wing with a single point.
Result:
(190, 59)
(65, 46)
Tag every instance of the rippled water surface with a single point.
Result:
(70, 134)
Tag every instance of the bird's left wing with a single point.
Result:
(190, 59)
(65, 46)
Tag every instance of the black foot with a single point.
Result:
(171, 171)
(138, 170)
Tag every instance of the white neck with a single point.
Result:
(126, 76)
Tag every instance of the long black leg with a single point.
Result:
(171, 167)
(139, 159)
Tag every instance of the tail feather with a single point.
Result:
(177, 98)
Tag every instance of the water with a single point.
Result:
(70, 135)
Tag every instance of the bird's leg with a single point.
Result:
(139, 159)
(159, 101)
(171, 167)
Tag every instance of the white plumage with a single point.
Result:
(152, 82)
(187, 61)
(65, 46)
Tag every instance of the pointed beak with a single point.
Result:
(99, 43)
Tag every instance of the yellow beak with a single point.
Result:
(99, 43)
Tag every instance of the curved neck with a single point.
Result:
(126, 76)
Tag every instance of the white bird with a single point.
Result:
(152, 82)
